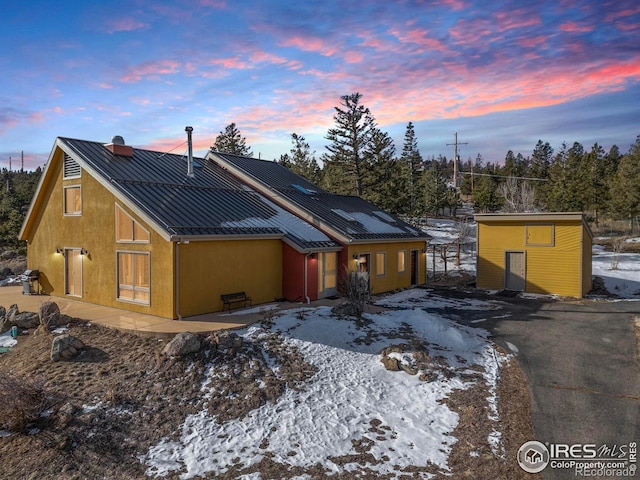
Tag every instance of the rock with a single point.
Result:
(50, 315)
(409, 369)
(5, 325)
(12, 312)
(182, 344)
(26, 320)
(65, 347)
(227, 340)
(428, 376)
(393, 349)
(3, 313)
(391, 364)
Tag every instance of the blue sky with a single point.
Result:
(502, 74)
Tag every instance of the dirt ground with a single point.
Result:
(121, 395)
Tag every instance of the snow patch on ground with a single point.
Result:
(335, 408)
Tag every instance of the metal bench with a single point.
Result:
(232, 298)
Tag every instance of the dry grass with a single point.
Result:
(121, 396)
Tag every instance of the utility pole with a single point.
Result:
(22, 160)
(455, 157)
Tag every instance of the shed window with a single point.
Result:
(73, 200)
(540, 235)
(133, 277)
(381, 261)
(128, 230)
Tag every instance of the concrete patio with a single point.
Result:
(147, 324)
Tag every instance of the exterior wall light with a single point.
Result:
(83, 252)
(59, 251)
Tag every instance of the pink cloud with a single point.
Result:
(531, 42)
(573, 27)
(310, 44)
(126, 24)
(231, 63)
(150, 69)
(513, 19)
(419, 37)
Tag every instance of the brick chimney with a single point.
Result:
(118, 147)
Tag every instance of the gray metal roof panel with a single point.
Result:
(364, 223)
(213, 202)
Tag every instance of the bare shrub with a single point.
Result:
(617, 247)
(22, 401)
(355, 288)
(518, 196)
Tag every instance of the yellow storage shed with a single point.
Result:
(546, 253)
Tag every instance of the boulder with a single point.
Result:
(391, 363)
(182, 344)
(26, 320)
(3, 313)
(226, 340)
(50, 315)
(12, 312)
(65, 347)
(411, 370)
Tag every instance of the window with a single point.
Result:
(402, 261)
(381, 260)
(540, 235)
(71, 168)
(128, 230)
(133, 277)
(73, 200)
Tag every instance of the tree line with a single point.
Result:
(361, 159)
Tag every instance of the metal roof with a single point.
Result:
(211, 203)
(355, 218)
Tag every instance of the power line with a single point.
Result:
(503, 176)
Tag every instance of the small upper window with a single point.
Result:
(128, 230)
(73, 200)
(71, 168)
(540, 235)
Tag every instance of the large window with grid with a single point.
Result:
(134, 277)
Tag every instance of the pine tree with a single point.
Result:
(485, 195)
(349, 141)
(624, 191)
(411, 161)
(435, 190)
(231, 141)
(383, 185)
(301, 160)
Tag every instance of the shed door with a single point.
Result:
(515, 274)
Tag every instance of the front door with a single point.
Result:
(328, 274)
(414, 267)
(364, 266)
(73, 272)
(515, 271)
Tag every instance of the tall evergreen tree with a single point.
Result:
(485, 195)
(301, 160)
(435, 190)
(625, 194)
(411, 162)
(349, 141)
(384, 186)
(231, 141)
(566, 185)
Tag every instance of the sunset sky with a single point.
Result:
(502, 74)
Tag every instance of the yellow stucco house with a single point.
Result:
(169, 235)
(546, 253)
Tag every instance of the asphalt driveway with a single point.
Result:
(581, 362)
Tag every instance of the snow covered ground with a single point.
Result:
(333, 412)
(624, 280)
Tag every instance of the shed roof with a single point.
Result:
(533, 218)
(348, 217)
(211, 204)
